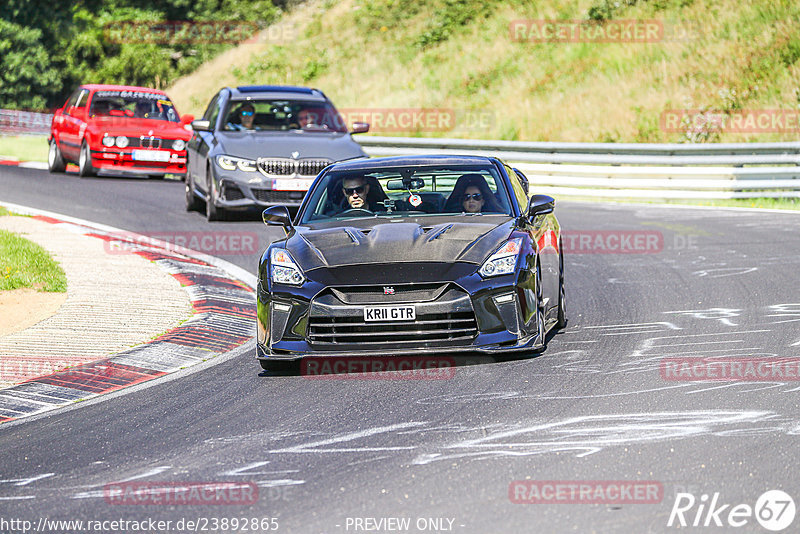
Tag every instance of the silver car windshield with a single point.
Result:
(407, 192)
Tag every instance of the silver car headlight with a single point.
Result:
(283, 269)
(121, 141)
(178, 144)
(231, 163)
(503, 261)
(108, 141)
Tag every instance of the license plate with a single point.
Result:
(151, 155)
(389, 313)
(291, 185)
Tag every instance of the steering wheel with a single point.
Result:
(353, 211)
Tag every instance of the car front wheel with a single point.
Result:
(213, 213)
(85, 162)
(55, 161)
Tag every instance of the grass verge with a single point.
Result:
(24, 147)
(26, 264)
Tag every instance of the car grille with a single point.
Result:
(308, 167)
(444, 317)
(278, 197)
(453, 328)
(389, 294)
(147, 142)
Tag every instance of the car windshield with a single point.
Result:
(408, 192)
(133, 104)
(283, 115)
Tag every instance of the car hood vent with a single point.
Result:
(397, 242)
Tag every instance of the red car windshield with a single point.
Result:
(134, 104)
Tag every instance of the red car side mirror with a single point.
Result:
(187, 119)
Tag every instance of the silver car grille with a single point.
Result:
(276, 167)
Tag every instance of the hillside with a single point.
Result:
(459, 57)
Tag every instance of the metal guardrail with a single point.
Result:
(703, 170)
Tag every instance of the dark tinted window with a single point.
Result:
(519, 192)
(409, 191)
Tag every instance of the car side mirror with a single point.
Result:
(277, 216)
(201, 126)
(360, 127)
(540, 205)
(187, 119)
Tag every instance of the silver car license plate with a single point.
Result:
(389, 313)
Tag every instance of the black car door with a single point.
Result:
(544, 231)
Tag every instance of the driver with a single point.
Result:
(355, 191)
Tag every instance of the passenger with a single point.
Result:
(246, 115)
(473, 200)
(471, 194)
(306, 119)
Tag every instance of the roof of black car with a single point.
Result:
(276, 91)
(402, 161)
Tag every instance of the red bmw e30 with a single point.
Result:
(119, 129)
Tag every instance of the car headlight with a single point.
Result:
(283, 269)
(230, 163)
(121, 141)
(108, 141)
(503, 261)
(178, 144)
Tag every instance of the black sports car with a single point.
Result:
(412, 255)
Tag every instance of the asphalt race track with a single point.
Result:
(594, 406)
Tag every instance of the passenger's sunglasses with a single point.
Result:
(349, 191)
(474, 196)
(246, 113)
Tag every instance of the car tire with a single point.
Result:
(55, 160)
(213, 213)
(192, 202)
(85, 168)
(541, 331)
(562, 295)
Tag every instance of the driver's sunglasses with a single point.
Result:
(474, 196)
(247, 113)
(349, 191)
